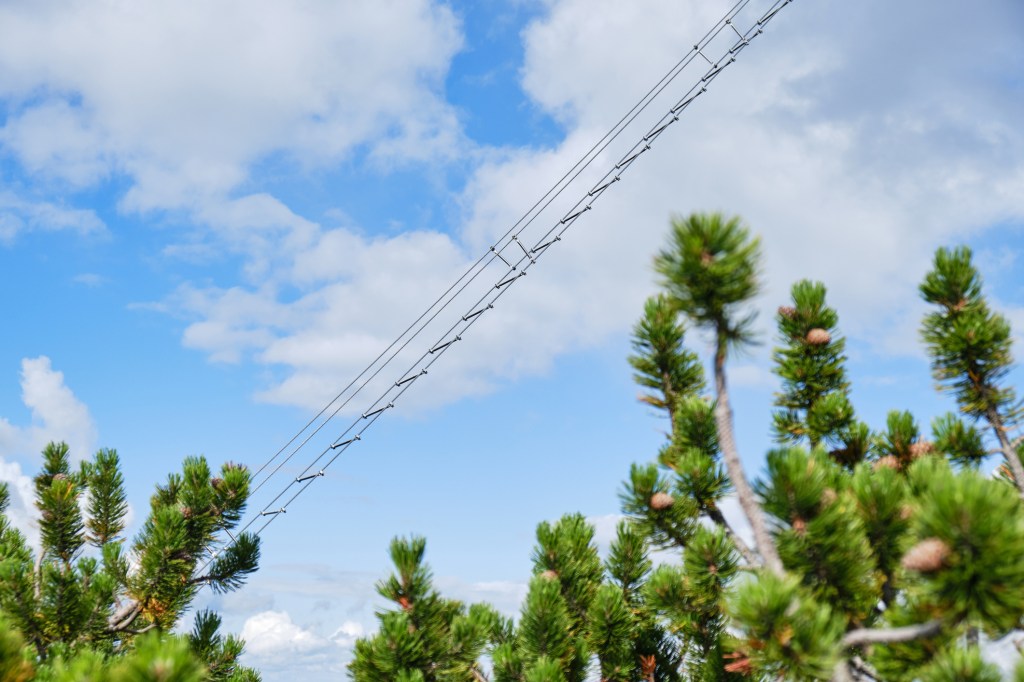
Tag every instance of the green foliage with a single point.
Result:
(815, 397)
(668, 521)
(659, 360)
(784, 632)
(427, 637)
(108, 504)
(960, 665)
(969, 344)
(710, 270)
(15, 665)
(979, 522)
(896, 551)
(821, 536)
(81, 604)
(959, 441)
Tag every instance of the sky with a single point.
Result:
(214, 215)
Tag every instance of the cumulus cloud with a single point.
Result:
(272, 633)
(274, 643)
(56, 415)
(881, 171)
(148, 90)
(813, 136)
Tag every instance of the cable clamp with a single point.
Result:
(347, 442)
(558, 238)
(436, 349)
(367, 415)
(660, 129)
(282, 510)
(574, 216)
(413, 377)
(526, 253)
(630, 159)
(771, 13)
(310, 477)
(498, 254)
(470, 316)
(600, 188)
(508, 281)
(686, 102)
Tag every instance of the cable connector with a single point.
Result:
(367, 415)
(347, 442)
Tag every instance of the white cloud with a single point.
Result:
(21, 510)
(272, 633)
(852, 185)
(276, 645)
(18, 215)
(56, 415)
(347, 634)
(851, 169)
(185, 98)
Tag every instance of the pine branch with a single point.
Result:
(731, 456)
(748, 554)
(1006, 447)
(141, 631)
(907, 633)
(121, 620)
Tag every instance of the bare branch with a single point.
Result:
(119, 623)
(1006, 447)
(841, 673)
(141, 630)
(731, 456)
(907, 633)
(748, 554)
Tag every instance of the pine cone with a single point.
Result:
(60, 477)
(887, 462)
(828, 496)
(787, 311)
(926, 556)
(919, 449)
(216, 482)
(906, 511)
(800, 526)
(549, 575)
(706, 258)
(818, 337)
(661, 501)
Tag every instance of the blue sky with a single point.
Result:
(213, 215)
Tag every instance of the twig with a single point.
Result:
(748, 554)
(1009, 452)
(119, 625)
(907, 633)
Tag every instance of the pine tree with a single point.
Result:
(84, 602)
(877, 554)
(427, 638)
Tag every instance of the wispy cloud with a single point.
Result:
(18, 215)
